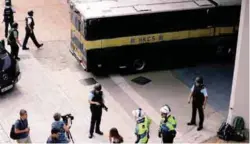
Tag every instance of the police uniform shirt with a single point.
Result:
(91, 95)
(29, 20)
(203, 91)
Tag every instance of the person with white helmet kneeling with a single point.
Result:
(167, 126)
(142, 126)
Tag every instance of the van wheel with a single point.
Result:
(139, 64)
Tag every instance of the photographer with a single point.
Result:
(59, 124)
(96, 102)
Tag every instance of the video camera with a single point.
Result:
(67, 119)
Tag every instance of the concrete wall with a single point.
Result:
(239, 103)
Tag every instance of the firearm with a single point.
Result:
(104, 106)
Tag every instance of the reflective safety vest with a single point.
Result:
(168, 124)
(142, 129)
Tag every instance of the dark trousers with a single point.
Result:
(168, 137)
(14, 49)
(7, 24)
(96, 115)
(31, 35)
(198, 107)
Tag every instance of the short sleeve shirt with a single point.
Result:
(21, 125)
(29, 20)
(15, 33)
(203, 91)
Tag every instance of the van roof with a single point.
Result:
(90, 9)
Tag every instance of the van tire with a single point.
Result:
(139, 64)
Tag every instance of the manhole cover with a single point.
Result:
(141, 80)
(88, 81)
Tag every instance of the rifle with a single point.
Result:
(104, 106)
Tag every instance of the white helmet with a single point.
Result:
(165, 109)
(138, 114)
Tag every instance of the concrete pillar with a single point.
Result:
(239, 103)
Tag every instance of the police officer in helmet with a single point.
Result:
(167, 125)
(13, 41)
(8, 17)
(29, 29)
(143, 123)
(96, 102)
(199, 97)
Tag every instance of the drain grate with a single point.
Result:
(88, 81)
(141, 80)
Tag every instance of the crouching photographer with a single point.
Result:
(62, 126)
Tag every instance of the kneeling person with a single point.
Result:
(54, 138)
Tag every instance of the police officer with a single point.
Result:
(13, 41)
(199, 99)
(96, 102)
(30, 31)
(8, 17)
(167, 125)
(142, 126)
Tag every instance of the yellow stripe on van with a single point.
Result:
(223, 30)
(152, 38)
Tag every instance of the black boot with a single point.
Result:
(40, 45)
(99, 132)
(199, 128)
(91, 136)
(191, 123)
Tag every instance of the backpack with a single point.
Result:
(13, 135)
(225, 131)
(239, 127)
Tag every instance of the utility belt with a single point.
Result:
(172, 133)
(93, 106)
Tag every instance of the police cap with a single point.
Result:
(30, 13)
(7, 3)
(15, 25)
(98, 87)
(199, 80)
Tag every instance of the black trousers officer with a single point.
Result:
(96, 115)
(168, 137)
(7, 24)
(14, 49)
(197, 106)
(30, 34)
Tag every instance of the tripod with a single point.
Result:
(70, 136)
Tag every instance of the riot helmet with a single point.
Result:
(138, 114)
(165, 110)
